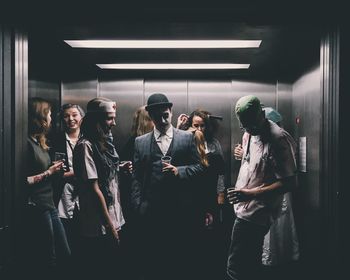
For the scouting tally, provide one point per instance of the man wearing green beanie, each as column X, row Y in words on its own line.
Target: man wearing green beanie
column 268, row 170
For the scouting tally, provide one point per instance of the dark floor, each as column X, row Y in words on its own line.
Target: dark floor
column 290, row 271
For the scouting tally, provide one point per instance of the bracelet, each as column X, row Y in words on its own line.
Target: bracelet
column 46, row 174
column 38, row 178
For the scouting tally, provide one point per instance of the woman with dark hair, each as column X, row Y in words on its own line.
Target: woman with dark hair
column 214, row 176
column 65, row 192
column 96, row 166
column 47, row 236
column 208, row 191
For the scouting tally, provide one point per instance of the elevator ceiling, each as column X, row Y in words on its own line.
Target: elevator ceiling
column 287, row 48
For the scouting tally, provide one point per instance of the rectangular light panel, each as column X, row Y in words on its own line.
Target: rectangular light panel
column 164, row 44
column 159, row 66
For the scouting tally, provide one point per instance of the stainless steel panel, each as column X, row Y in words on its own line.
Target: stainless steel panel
column 284, row 101
column 175, row 90
column 307, row 106
column 79, row 92
column 215, row 97
column 44, row 89
column 8, row 143
column 16, row 152
column 48, row 90
column 266, row 92
column 129, row 96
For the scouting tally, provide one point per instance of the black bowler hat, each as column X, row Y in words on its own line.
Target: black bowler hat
column 157, row 100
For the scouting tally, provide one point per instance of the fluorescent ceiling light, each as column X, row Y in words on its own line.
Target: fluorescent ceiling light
column 134, row 66
column 166, row 44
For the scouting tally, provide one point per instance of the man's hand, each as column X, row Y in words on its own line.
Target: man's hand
column 238, row 152
column 57, row 166
column 126, row 166
column 181, row 120
column 209, row 219
column 113, row 233
column 242, row 195
column 171, row 169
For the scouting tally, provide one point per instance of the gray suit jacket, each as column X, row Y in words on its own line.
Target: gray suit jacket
column 150, row 187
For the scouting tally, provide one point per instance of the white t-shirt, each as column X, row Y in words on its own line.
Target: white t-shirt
column 264, row 164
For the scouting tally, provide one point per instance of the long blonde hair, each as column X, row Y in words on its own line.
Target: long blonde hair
column 200, row 144
column 142, row 123
column 38, row 126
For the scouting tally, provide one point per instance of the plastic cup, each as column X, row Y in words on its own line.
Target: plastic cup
column 238, row 145
column 166, row 159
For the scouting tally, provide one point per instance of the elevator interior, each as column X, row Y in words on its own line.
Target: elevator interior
column 286, row 73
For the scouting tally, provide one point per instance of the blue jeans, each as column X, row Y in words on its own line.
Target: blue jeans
column 244, row 257
column 50, row 245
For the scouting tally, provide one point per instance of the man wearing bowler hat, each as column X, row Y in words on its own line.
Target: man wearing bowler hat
column 160, row 192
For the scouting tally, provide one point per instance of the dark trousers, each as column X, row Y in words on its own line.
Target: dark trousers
column 45, row 247
column 99, row 258
column 244, row 258
column 71, row 227
column 166, row 249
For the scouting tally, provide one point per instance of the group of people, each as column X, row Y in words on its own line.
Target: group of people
column 168, row 182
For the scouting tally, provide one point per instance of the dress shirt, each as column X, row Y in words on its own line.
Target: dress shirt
column 164, row 140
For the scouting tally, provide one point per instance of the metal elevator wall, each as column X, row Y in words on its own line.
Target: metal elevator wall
column 298, row 99
column 306, row 104
column 6, row 145
column 216, row 96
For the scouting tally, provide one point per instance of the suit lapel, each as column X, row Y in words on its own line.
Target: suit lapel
column 174, row 142
column 154, row 145
column 149, row 144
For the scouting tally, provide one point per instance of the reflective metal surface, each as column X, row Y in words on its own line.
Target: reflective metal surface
column 217, row 96
column 79, row 92
column 129, row 96
column 307, row 106
column 284, row 99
